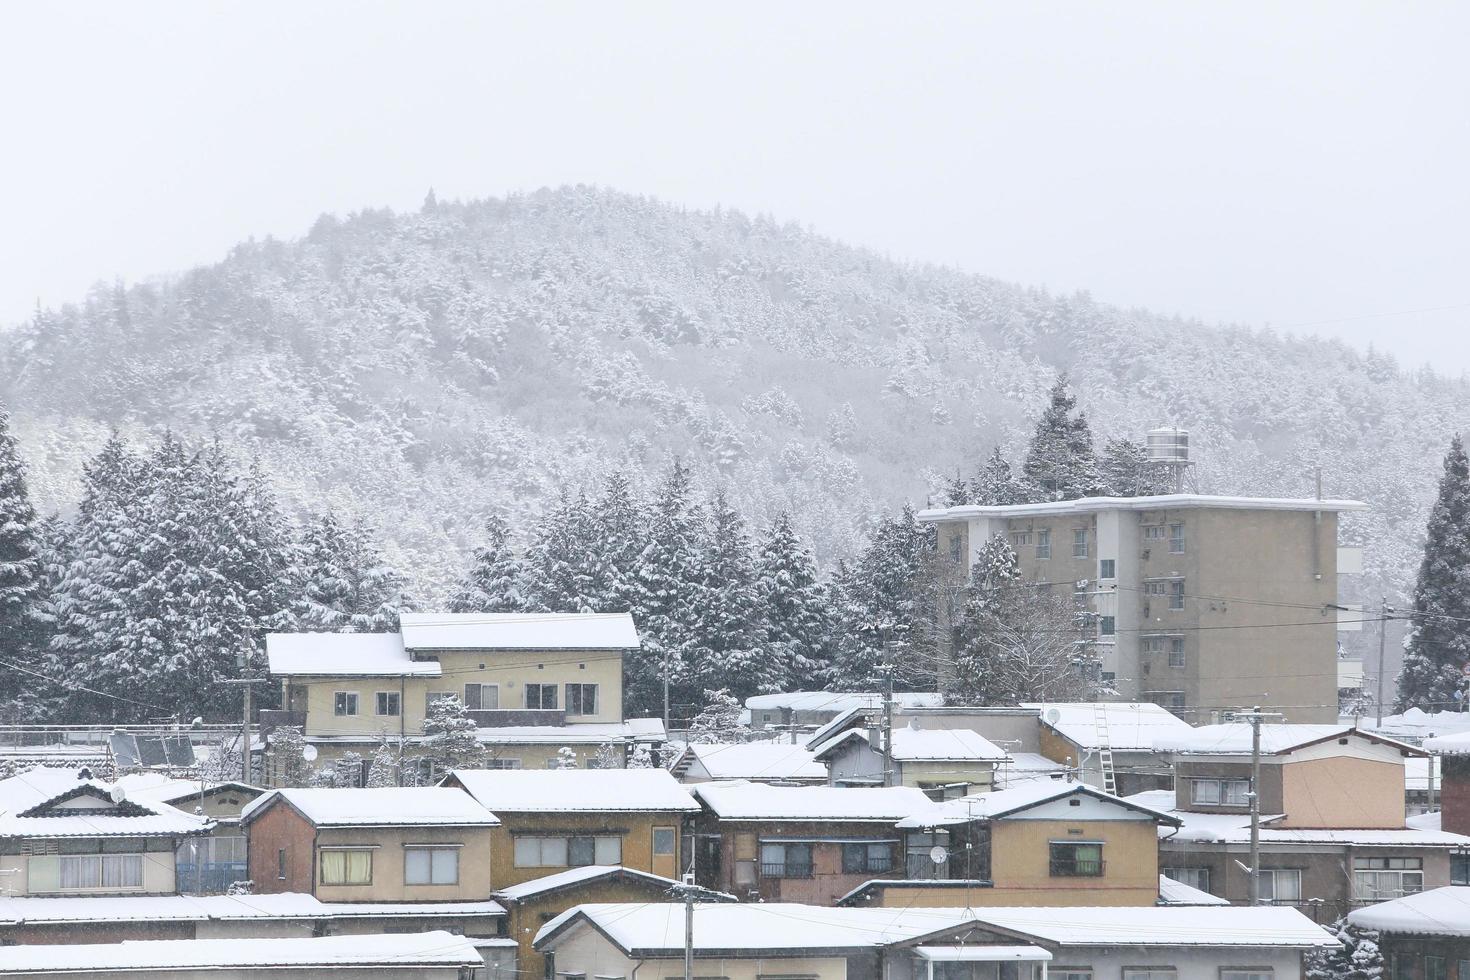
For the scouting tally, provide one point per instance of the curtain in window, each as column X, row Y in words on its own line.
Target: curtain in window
column 347, row 867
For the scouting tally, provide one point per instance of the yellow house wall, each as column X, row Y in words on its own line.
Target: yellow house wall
column 475, row 860
column 1342, row 792
column 158, row 876
column 977, row 774
column 526, row 918
column 636, row 830
column 1020, row 858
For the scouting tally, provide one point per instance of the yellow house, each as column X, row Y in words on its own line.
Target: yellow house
column 555, row 819
column 1042, row 843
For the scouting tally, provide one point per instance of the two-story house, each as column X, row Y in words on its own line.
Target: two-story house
column 1041, row 843
column 532, row 682
column 554, row 819
column 1333, row 829
column 63, row 832
column 797, row 843
column 206, row 865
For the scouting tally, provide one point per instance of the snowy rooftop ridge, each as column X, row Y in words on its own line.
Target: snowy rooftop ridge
column 1001, row 802
column 518, row 631
column 738, row 800
column 1234, row 738
column 927, row 745
column 46, row 802
column 576, row 876
column 838, row 702
column 756, row 761
column 572, row 790
column 1437, row 912
column 1132, row 726
column 386, row 807
column 343, row 655
column 1457, row 744
column 1167, row 501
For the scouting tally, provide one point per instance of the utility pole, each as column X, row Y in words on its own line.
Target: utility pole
column 666, row 692
column 1384, row 614
column 245, row 683
column 1254, row 717
column 689, row 890
column 888, row 668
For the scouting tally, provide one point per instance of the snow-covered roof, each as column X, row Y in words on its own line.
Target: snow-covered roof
column 1437, row 912
column 1234, row 828
column 343, row 655
column 410, row 910
column 758, row 761
column 196, row 908
column 169, row 955
column 595, row 733
column 1458, row 744
column 1167, row 501
column 1416, row 724
column 386, row 807
column 576, row 876
column 1002, row 802
column 169, row 789
column 1235, row 739
column 838, row 702
column 574, row 790
column 518, row 631
column 739, row 800
column 1020, row 768
column 794, row 930
column 1173, row 892
column 1132, row 726
column 926, row 745
column 59, row 803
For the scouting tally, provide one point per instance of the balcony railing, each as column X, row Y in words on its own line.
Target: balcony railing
column 1077, row 869
column 787, row 870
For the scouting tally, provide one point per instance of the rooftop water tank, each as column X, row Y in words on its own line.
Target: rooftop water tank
column 1168, row 445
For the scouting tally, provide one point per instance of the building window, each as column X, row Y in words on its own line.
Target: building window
column 1176, row 539
column 503, row 764
column 1043, row 544
column 1246, row 973
column 1107, row 568
column 541, row 696
column 1176, row 594
column 919, row 855
column 1107, row 625
column 1434, row 968
column 1076, row 859
column 482, row 697
column 786, row 860
column 663, row 841
column 1150, row 973
column 1281, row 886
column 866, row 858
column 1019, row 540
column 1379, row 879
column 581, row 699
column 344, row 703
column 347, row 867
column 86, row 872
column 1079, row 542
column 1400, row 967
column 389, row 704
column 1155, row 532
column 1220, row 792
column 1070, row 973
column 1460, row 875
column 431, row 865
column 956, row 549
column 1193, row 877
column 567, row 852
column 281, row 863
column 1176, row 651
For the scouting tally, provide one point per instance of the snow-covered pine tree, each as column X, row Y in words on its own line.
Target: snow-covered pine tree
column 641, row 757
column 566, row 758
column 1124, row 471
column 890, row 599
column 729, row 648
column 24, row 619
column 450, row 740
column 995, row 569
column 1438, row 645
column 562, row 572
column 1358, row 958
column 609, row 756
column 347, row 770
column 792, row 609
column 719, row 720
column 995, row 485
column 495, row 579
column 286, row 757
column 347, row 586
column 958, row 492
column 1059, row 459
column 622, row 533
column 383, row 770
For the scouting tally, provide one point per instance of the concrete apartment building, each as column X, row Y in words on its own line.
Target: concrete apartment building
column 1204, row 603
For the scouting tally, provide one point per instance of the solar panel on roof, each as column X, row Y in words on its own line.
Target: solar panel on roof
column 131, row 750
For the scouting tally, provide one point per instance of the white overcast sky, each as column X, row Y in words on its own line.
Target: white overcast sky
column 1261, row 163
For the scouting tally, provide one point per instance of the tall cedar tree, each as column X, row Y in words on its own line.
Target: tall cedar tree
column 622, row 534
column 562, row 567
column 731, row 650
column 792, row 608
column 996, row 485
column 1124, row 471
column 346, row 585
column 493, row 584
column 24, row 623
column 1059, row 460
column 1438, row 645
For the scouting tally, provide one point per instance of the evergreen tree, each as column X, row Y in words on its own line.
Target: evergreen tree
column 347, row 587
column 562, row 573
column 1358, row 958
column 1059, row 460
column 494, row 582
column 719, row 720
column 1438, row 644
column 958, row 492
column 609, row 756
column 346, row 771
column 730, row 648
column 24, row 621
column 621, row 535
column 286, row 757
column 793, row 611
column 383, row 771
column 996, row 485
column 566, row 758
column 1124, row 471
column 450, row 740
column 641, row 757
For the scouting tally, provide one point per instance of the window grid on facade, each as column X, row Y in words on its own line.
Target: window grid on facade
column 1176, row 539
column 482, row 697
column 347, row 867
column 1220, row 792
column 541, row 696
column 1043, row 544
column 344, row 703
column 431, row 865
column 388, row 703
column 1193, row 877
column 1107, row 625
column 866, row 858
column 567, row 852
column 1107, row 568
column 1379, row 879
column 581, row 699
column 1281, row 886
column 1079, row 542
column 1076, row 859
column 780, row 860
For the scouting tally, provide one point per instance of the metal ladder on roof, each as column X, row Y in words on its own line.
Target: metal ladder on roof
column 1104, row 748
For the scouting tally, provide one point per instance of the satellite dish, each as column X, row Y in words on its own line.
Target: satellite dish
column 938, row 854
column 1053, row 716
column 309, row 753
column 118, row 794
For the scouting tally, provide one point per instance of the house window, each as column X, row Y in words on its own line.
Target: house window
column 567, row 852
column 581, row 699
column 1172, row 700
column 1176, row 651
column 281, row 863
column 1070, row 973
column 347, row 867
column 1155, row 532
column 1400, row 967
column 1460, row 875
column 1076, row 859
column 1107, row 568
column 866, row 858
column 1379, row 879
column 956, row 549
column 1246, row 973
column 344, row 703
column 84, row 872
column 503, row 764
column 1220, row 792
column 1079, row 542
column 1281, row 886
column 541, row 696
column 431, row 865
column 1150, row 973
column 1043, row 544
column 663, row 841
column 786, row 860
column 1155, row 588
column 1107, row 625
column 555, row 762
column 1193, row 877
column 1434, row 968
column 482, row 697
column 1020, row 539
column 1176, row 539
column 389, row 704
column 1176, row 594
column 918, row 855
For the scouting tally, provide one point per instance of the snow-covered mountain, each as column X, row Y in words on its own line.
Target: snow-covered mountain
column 422, row 369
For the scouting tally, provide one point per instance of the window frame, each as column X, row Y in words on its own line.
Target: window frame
column 431, row 850
column 1107, row 626
column 344, row 883
column 386, row 699
column 342, row 700
column 1107, row 569
column 1081, row 544
column 858, row 857
column 786, row 867
column 1043, row 544
column 1222, row 797
column 541, row 690
column 673, row 836
column 1273, row 874
column 1071, row 866
column 1176, row 539
column 1201, row 876
column 580, row 689
column 479, row 697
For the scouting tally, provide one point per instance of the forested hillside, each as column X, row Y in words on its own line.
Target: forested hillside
column 425, row 370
